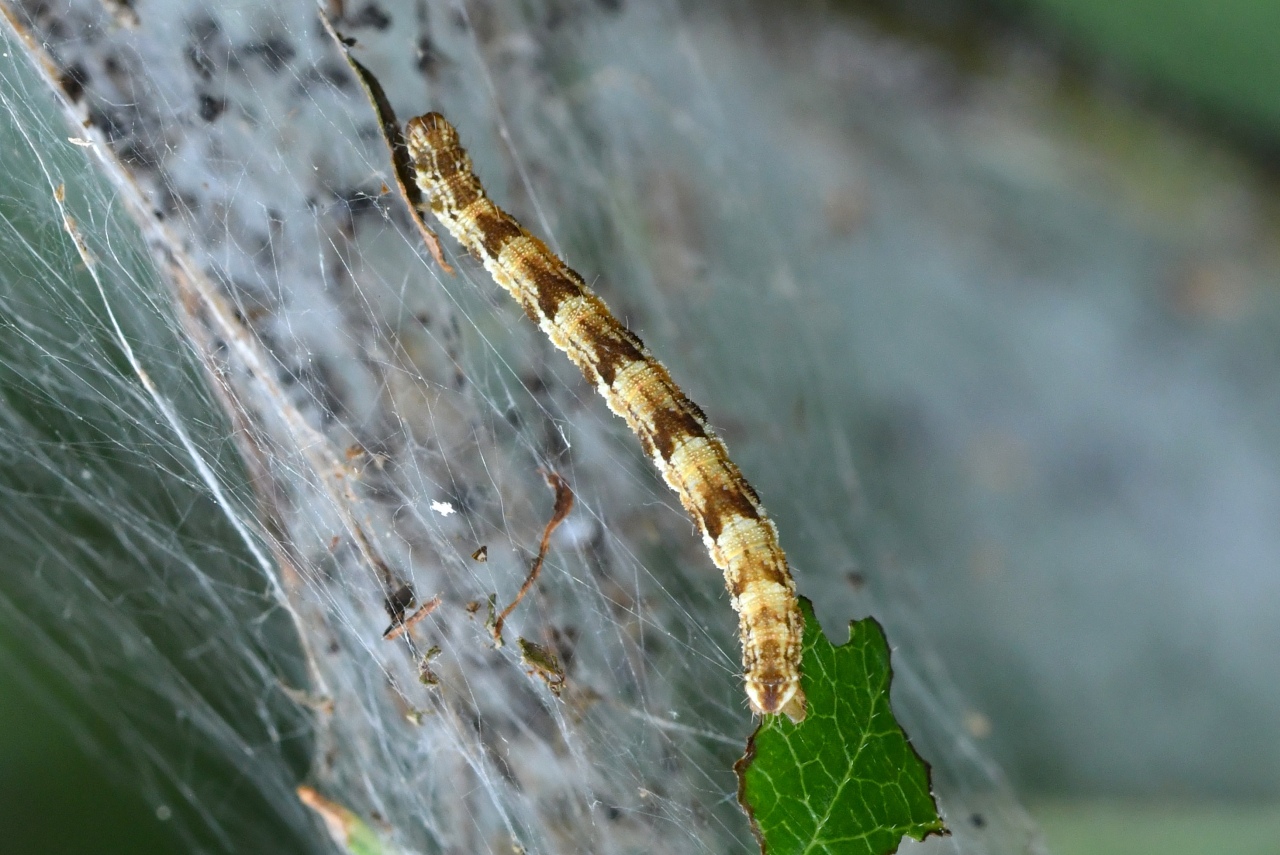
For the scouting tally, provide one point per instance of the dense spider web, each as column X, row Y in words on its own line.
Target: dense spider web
column 261, row 410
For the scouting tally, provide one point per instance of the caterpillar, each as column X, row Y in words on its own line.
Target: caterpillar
column 673, row 430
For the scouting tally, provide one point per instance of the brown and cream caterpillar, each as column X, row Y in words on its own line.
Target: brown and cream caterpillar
column 673, row 431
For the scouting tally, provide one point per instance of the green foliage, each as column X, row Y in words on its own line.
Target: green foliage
column 846, row 780
column 1222, row 54
column 352, row 834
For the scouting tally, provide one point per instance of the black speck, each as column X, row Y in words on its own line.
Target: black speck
column 357, row 201
column 112, row 65
column 610, row 5
column 397, row 602
column 108, row 123
column 564, row 643
column 978, row 820
column 334, row 74
column 275, row 51
column 73, row 81
column 211, row 107
column 199, row 53
column 370, row 15
column 428, row 56
column 56, row 30
column 138, row 155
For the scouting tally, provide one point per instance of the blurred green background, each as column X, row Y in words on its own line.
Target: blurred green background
column 1215, row 64
column 1220, row 56
column 54, row 798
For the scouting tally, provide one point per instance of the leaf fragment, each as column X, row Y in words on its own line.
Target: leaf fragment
column 846, row 780
column 348, row 830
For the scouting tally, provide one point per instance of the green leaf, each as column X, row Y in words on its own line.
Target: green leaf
column 845, row 780
column 348, row 830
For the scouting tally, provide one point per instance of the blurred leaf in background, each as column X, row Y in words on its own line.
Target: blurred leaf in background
column 1221, row 56
column 54, row 796
column 1074, row 828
